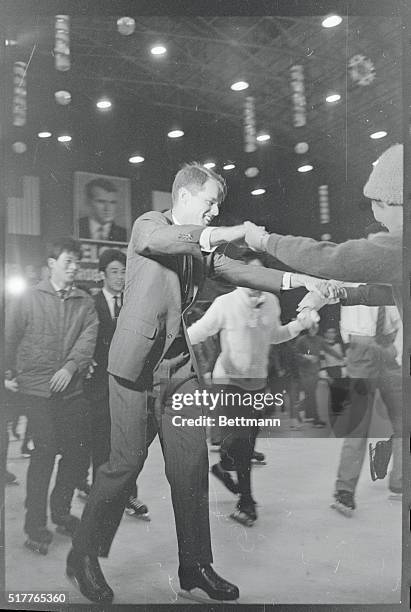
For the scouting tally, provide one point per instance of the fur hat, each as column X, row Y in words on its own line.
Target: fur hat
column 386, row 179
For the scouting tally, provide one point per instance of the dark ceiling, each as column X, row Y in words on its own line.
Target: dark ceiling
column 190, row 87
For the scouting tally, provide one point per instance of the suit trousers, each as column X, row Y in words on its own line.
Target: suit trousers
column 57, row 427
column 137, row 416
column 362, row 394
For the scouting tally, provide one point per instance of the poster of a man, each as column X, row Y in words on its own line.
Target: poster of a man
column 101, row 207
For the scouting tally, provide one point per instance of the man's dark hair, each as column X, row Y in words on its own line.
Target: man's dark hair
column 374, row 228
column 103, row 183
column 66, row 244
column 193, row 176
column 108, row 256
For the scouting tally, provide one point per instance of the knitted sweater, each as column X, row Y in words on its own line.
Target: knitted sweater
column 364, row 261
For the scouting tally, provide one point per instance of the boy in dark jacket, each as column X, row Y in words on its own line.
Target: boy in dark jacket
column 50, row 341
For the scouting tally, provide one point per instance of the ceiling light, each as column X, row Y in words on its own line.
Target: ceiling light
column 239, row 85
column 158, row 50
column 209, row 165
column 333, row 98
column 263, row 137
column 64, row 138
column 104, row 104
column 44, row 134
column 331, row 21
column 136, row 159
column 256, row 192
column 377, row 135
column 305, row 168
column 229, row 167
column 175, row 134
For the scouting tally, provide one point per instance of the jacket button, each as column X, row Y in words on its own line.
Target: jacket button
column 169, row 335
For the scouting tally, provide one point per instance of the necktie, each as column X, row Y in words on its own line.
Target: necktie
column 100, row 233
column 62, row 293
column 187, row 283
column 117, row 306
column 379, row 328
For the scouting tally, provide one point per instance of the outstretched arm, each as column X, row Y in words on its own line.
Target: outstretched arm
column 362, row 260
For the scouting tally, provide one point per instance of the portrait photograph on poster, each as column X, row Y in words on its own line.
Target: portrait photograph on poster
column 101, row 207
column 206, row 306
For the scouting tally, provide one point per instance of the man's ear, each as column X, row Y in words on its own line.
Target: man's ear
column 101, row 276
column 51, row 262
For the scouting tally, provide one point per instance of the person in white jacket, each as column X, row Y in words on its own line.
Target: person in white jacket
column 248, row 322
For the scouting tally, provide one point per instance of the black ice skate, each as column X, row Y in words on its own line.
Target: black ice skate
column 245, row 512
column 258, row 458
column 204, row 578
column 225, row 477
column 137, row 509
column 380, row 456
column 344, row 503
column 39, row 540
column 66, row 524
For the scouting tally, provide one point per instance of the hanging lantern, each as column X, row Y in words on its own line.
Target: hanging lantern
column 250, row 143
column 301, row 148
column 298, row 96
column 126, row 25
column 361, row 69
column 62, row 97
column 251, row 172
column 19, row 94
column 325, row 237
column 324, row 204
column 62, row 43
column 19, row 147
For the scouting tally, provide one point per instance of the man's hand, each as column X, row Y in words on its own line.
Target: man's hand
column 329, row 289
column 11, row 385
column 307, row 317
column 256, row 236
column 60, row 380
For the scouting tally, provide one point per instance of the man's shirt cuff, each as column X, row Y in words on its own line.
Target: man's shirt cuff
column 204, row 241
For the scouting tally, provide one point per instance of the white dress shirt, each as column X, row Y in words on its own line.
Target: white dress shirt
column 110, row 300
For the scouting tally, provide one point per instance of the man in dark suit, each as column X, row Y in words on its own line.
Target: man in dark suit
column 102, row 201
column 108, row 302
column 150, row 359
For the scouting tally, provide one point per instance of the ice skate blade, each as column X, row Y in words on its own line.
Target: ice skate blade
column 246, row 522
column 256, row 462
column 199, row 596
column 40, row 548
column 348, row 512
column 142, row 517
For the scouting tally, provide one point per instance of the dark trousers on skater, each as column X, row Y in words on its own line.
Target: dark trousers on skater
column 57, row 426
column 100, row 434
column 238, row 443
column 137, row 416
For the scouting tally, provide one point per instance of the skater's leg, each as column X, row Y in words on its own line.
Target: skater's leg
column 186, row 462
column 390, row 386
column 132, row 430
column 70, row 423
column 362, row 392
column 41, row 464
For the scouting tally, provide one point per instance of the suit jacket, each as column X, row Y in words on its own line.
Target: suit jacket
column 97, row 385
column 117, row 233
column 152, row 313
